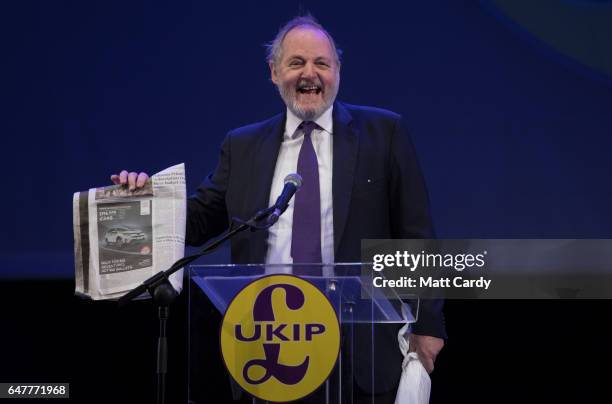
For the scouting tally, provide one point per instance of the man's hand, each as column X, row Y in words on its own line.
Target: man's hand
column 134, row 180
column 427, row 348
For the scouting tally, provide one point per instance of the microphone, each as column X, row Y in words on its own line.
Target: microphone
column 293, row 182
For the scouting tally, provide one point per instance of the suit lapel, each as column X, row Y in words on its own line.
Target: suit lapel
column 346, row 146
column 264, row 163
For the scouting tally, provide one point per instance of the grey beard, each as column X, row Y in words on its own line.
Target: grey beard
column 303, row 114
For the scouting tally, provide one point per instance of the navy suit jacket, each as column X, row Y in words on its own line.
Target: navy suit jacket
column 377, row 185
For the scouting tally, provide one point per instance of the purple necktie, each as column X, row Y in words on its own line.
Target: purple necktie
column 306, row 231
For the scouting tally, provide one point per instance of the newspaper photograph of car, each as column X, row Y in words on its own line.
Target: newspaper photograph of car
column 122, row 236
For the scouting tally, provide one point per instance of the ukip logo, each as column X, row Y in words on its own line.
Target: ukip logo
column 280, row 338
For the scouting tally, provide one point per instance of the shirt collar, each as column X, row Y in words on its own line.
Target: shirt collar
column 325, row 121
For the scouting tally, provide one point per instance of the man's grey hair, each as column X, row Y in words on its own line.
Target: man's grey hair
column 274, row 48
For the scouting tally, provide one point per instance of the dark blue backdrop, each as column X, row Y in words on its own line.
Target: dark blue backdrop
column 513, row 134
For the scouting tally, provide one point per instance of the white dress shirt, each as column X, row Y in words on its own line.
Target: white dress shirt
column 279, row 235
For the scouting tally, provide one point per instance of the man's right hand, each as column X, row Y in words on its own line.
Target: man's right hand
column 132, row 179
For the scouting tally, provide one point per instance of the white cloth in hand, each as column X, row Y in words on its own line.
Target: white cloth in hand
column 415, row 384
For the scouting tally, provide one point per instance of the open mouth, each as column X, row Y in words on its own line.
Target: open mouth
column 309, row 90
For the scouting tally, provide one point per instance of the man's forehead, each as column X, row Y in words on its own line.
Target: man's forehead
column 305, row 38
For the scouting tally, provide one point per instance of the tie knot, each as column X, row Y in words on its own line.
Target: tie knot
column 308, row 127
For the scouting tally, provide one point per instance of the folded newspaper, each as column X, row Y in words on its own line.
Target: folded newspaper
column 123, row 237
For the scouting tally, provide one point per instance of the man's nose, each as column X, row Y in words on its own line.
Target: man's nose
column 309, row 71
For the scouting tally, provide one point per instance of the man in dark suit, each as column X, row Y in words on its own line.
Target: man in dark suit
column 363, row 180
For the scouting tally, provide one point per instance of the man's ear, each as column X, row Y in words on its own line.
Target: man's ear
column 273, row 75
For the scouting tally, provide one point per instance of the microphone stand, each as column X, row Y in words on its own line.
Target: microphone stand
column 163, row 294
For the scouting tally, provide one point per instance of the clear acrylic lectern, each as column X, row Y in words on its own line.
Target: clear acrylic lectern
column 368, row 321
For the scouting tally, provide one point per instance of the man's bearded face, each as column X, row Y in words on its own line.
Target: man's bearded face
column 307, row 74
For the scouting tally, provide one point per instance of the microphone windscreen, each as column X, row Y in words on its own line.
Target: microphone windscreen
column 294, row 179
